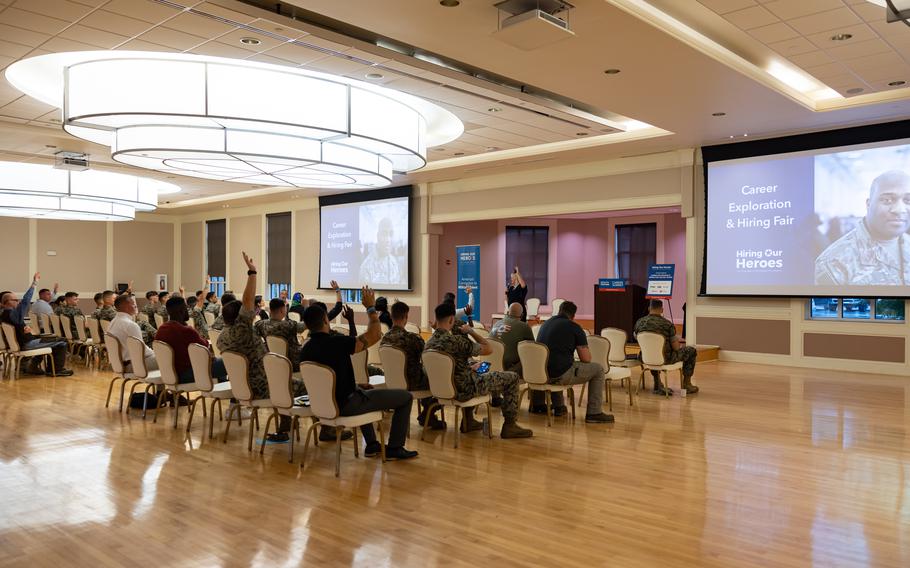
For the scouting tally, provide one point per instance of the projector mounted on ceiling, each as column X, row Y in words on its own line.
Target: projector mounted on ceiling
column 72, row 161
column 533, row 23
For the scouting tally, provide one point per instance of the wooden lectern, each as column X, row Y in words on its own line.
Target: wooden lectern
column 619, row 309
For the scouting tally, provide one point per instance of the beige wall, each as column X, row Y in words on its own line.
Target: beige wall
column 81, row 260
column 192, row 254
column 142, row 250
column 306, row 256
column 14, row 249
column 245, row 234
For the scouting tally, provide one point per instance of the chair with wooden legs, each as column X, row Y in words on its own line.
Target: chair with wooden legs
column 214, row 334
column 142, row 376
column 394, row 361
column 534, row 357
column 73, row 343
column 617, row 338
column 440, row 369
column 320, row 386
column 238, row 372
column 15, row 353
column 88, row 344
column 652, row 358
column 159, row 320
column 4, row 354
column 294, row 316
column 494, row 358
column 532, row 305
column 413, row 328
column 361, row 373
column 94, row 332
column 277, row 345
column 279, row 371
column 164, row 354
column 201, row 359
column 105, row 325
column 56, row 328
column 209, row 318
column 600, row 353
column 120, row 373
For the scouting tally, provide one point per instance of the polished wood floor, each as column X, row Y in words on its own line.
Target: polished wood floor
column 768, row 466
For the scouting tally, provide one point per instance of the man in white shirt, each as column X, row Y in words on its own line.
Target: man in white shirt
column 43, row 304
column 124, row 325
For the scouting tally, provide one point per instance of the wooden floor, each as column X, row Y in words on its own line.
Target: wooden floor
column 768, row 466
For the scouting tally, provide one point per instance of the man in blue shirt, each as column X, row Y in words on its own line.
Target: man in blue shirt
column 14, row 312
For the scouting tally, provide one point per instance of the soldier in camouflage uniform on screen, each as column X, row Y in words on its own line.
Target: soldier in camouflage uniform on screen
column 69, row 309
column 468, row 383
column 106, row 311
column 655, row 322
column 287, row 329
column 877, row 252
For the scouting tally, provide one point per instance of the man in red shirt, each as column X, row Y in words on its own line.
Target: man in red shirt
column 179, row 336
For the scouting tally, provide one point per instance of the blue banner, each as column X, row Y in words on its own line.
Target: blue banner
column 611, row 285
column 660, row 280
column 468, row 259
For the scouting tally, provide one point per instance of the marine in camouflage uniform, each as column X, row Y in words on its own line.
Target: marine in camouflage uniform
column 148, row 332
column 655, row 323
column 214, row 308
column 858, row 259
column 105, row 313
column 70, row 312
column 202, row 327
column 412, row 345
column 240, row 337
column 150, row 310
column 469, row 384
column 287, row 330
column 161, row 310
column 218, row 323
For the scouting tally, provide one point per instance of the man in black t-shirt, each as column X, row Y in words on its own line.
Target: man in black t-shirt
column 564, row 337
column 335, row 350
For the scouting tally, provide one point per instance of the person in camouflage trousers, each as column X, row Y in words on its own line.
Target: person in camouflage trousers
column 69, row 309
column 468, row 384
column 287, row 329
column 655, row 322
column 106, row 311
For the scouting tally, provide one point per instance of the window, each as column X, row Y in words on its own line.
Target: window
column 216, row 285
column 636, row 250
column 852, row 309
column 278, row 253
column 528, row 248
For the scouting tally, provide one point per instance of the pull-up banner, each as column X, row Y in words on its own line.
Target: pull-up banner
column 468, row 259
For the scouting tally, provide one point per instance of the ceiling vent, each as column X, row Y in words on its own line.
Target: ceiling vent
column 532, row 24
column 73, row 161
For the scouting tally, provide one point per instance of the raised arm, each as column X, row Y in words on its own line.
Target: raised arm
column 336, row 309
column 22, row 309
column 249, row 291
column 520, row 278
column 373, row 332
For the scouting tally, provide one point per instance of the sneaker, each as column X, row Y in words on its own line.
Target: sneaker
column 560, row 410
column 278, row 438
column 61, row 373
column 602, row 418
column 472, row 426
column 398, row 454
column 538, row 409
column 513, row 430
column 328, row 435
column 372, row 450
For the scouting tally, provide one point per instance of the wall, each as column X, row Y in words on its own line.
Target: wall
column 245, row 234
column 485, row 234
column 14, row 245
column 81, row 252
column 142, row 250
column 192, row 254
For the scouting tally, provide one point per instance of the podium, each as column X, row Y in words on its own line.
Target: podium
column 620, row 309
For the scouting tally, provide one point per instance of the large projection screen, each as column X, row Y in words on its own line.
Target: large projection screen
column 364, row 239
column 823, row 222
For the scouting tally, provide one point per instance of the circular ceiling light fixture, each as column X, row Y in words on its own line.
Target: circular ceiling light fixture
column 374, row 76
column 42, row 191
column 207, row 117
column 250, row 41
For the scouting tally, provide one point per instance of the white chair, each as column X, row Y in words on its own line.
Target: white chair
column 482, row 332
column 164, row 354
column 440, row 369
column 74, row 343
column 4, row 353
column 554, row 305
column 159, row 319
column 238, row 371
column 55, row 326
column 535, row 329
column 209, row 318
column 293, row 316
column 617, row 338
column 320, row 386
column 362, row 376
column 16, row 353
column 652, row 358
column 532, row 307
column 495, row 358
column 600, row 353
column 88, row 343
column 394, row 364
column 201, row 360
column 136, row 348
column 214, row 334
column 105, row 325
column 277, row 345
column 280, row 371
column 479, row 325
column 412, row 328
column 94, row 332
column 44, row 322
column 534, row 357
column 120, row 373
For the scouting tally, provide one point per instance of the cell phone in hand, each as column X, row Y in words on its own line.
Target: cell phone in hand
column 483, row 368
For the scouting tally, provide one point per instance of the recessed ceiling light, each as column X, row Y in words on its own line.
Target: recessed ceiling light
column 718, row 114
column 49, row 146
column 841, row 37
column 492, row 148
column 746, row 134
column 449, row 3
column 250, row 41
column 458, row 154
column 854, row 90
column 897, row 83
column 374, row 75
column 612, row 71
column 581, row 134
column 494, row 109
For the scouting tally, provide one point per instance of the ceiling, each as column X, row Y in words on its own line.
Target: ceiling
column 667, row 79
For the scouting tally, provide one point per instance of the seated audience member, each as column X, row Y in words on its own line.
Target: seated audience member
column 238, row 336
column 347, row 313
column 14, row 313
column 297, row 305
column 179, row 336
column 283, row 295
column 512, row 331
column 382, row 308
column 335, row 351
column 279, row 325
column 199, row 322
column 200, row 298
column 226, row 299
column 211, row 304
column 260, row 308
column 456, row 341
column 124, row 325
column 58, row 303
column 412, row 345
column 161, row 308
column 673, row 352
column 70, row 309
column 106, row 311
column 565, row 338
column 151, row 306
column 98, row 303
column 43, row 304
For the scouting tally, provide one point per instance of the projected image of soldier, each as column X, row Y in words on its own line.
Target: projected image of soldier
column 877, row 251
column 380, row 267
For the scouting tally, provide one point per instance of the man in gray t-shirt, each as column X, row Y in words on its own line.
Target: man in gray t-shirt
column 511, row 331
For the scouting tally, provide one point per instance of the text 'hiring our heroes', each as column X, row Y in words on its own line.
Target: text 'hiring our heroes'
column 768, row 259
column 743, row 209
